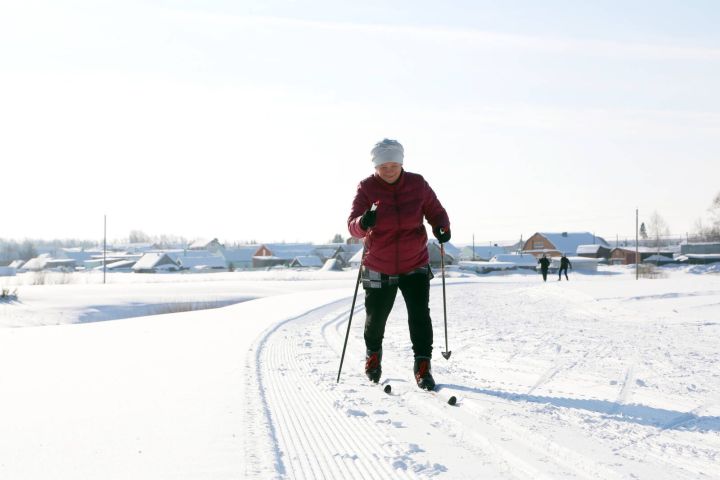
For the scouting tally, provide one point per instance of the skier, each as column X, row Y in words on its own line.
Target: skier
column 396, row 255
column 564, row 264
column 544, row 264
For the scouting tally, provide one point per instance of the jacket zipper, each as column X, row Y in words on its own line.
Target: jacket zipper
column 397, row 234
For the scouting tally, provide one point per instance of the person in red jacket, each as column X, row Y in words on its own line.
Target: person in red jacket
column 396, row 255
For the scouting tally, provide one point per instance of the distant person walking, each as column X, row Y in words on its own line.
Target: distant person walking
column 564, row 264
column 396, row 254
column 544, row 265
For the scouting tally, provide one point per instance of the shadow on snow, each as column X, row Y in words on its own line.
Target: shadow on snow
column 633, row 413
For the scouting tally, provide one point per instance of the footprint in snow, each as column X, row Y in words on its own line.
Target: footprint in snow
column 355, row 413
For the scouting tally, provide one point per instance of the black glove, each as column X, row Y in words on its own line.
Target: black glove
column 442, row 234
column 368, row 219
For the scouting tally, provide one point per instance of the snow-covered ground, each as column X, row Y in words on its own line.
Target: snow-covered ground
column 600, row 377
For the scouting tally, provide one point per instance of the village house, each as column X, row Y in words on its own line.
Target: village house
column 593, row 251
column 46, row 262
column 626, row 255
column 199, row 260
column 240, row 256
column 308, row 261
column 155, row 262
column 452, row 253
column 346, row 252
column 212, row 245
column 558, row 244
column 273, row 254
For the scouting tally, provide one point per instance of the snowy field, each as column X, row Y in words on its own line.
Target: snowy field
column 600, row 377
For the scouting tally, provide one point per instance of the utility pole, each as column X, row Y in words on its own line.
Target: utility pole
column 104, row 246
column 637, row 249
column 473, row 247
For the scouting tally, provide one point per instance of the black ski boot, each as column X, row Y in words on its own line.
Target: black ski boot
column 423, row 375
column 373, row 369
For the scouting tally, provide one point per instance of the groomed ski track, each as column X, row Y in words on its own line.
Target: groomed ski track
column 353, row 430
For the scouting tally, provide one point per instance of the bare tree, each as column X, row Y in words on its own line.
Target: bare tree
column 138, row 236
column 658, row 229
column 710, row 232
column 713, row 231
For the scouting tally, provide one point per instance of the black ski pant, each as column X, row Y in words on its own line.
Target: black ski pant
column 415, row 289
column 544, row 274
column 561, row 272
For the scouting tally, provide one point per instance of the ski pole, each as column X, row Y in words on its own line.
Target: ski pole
column 447, row 352
column 352, row 308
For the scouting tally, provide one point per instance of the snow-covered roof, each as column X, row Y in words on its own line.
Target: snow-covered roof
column 17, row 264
column 589, row 248
column 639, row 249
column 241, row 253
column 37, row 263
column 200, row 259
column 203, row 244
column 351, row 247
column 307, row 261
column 288, row 251
column 568, row 242
column 150, row 261
column 118, row 265
column 658, row 258
column 524, row 259
column 357, row 258
column 331, row 264
column 326, row 252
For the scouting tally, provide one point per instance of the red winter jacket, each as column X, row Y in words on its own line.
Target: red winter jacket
column 398, row 242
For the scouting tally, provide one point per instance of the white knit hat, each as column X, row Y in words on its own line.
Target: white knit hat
column 387, row 151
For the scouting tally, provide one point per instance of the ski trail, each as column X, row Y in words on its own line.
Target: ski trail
column 322, row 440
column 626, row 389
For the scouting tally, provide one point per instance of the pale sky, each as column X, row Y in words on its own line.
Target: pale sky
column 254, row 120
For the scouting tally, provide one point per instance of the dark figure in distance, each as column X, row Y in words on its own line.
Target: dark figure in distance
column 564, row 264
column 544, row 265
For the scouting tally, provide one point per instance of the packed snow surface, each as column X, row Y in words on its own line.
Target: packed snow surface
column 603, row 376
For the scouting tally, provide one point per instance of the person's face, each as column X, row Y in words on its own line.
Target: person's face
column 389, row 172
